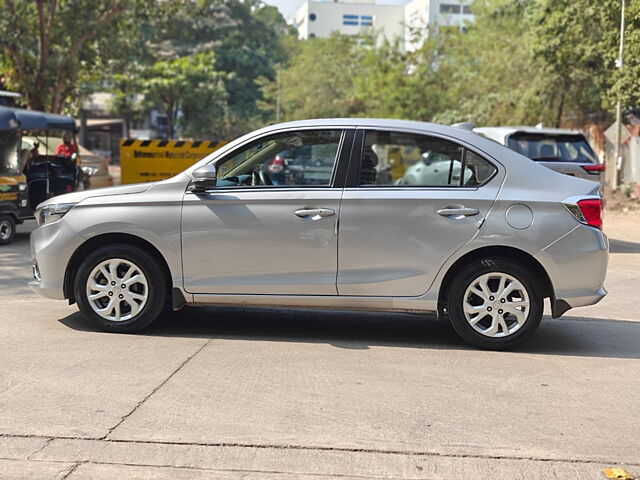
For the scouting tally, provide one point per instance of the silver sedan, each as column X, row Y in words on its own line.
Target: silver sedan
column 341, row 213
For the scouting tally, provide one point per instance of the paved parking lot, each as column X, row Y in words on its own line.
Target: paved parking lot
column 239, row 393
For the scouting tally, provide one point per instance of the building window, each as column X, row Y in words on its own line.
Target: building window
column 312, row 35
column 466, row 9
column 366, row 20
column 349, row 19
column 449, row 8
column 312, row 17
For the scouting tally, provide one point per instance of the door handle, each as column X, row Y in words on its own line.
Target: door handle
column 458, row 212
column 315, row 213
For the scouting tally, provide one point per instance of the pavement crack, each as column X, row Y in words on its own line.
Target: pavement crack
column 45, row 445
column 71, row 470
column 141, row 402
column 320, row 448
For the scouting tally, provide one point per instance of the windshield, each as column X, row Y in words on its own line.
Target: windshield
column 553, row 148
column 9, row 164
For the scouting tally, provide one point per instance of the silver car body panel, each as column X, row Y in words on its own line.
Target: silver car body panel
column 250, row 241
column 385, row 248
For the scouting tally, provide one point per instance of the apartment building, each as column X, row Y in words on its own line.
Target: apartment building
column 317, row 18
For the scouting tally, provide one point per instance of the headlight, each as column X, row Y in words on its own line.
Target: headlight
column 52, row 213
column 22, row 187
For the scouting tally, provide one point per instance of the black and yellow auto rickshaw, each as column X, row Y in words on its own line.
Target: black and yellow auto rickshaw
column 30, row 172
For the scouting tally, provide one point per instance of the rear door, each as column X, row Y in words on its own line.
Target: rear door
column 411, row 201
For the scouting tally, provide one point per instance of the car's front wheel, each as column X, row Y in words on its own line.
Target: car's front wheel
column 495, row 303
column 120, row 288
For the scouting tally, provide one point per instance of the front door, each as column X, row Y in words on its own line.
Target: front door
column 270, row 224
column 417, row 199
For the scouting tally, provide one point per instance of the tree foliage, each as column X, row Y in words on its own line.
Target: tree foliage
column 222, row 66
column 50, row 48
column 190, row 91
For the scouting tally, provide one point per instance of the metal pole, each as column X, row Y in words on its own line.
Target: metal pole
column 277, row 95
column 618, row 147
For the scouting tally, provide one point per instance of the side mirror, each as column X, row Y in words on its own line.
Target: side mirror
column 204, row 178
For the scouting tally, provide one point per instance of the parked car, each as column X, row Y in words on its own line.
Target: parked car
column 483, row 247
column 565, row 151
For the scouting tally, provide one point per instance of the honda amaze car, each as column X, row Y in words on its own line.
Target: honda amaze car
column 481, row 236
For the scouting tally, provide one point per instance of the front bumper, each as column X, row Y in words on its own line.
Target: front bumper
column 53, row 293
column 51, row 248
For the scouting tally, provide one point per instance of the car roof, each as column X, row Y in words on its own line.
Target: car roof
column 505, row 130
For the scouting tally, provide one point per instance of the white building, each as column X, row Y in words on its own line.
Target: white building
column 320, row 18
column 434, row 15
column 317, row 18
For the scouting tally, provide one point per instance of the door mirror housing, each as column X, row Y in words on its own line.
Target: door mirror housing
column 204, row 178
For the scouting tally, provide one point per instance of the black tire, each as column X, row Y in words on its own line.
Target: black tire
column 7, row 229
column 157, row 287
column 471, row 272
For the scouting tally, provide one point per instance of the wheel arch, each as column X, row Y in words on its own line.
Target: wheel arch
column 502, row 251
column 110, row 239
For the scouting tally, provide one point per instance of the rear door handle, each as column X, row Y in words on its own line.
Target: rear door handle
column 458, row 212
column 314, row 213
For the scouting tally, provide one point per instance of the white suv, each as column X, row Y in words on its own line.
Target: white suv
column 565, row 151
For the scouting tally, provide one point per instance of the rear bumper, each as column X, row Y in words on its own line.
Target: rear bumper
column 577, row 266
column 560, row 306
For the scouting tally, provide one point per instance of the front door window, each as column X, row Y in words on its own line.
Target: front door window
column 299, row 158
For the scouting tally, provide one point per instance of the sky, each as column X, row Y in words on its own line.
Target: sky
column 288, row 7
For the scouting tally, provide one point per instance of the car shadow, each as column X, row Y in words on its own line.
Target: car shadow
column 571, row 336
column 623, row 246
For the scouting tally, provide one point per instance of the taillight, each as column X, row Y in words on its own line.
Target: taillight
column 586, row 210
column 591, row 211
column 594, row 169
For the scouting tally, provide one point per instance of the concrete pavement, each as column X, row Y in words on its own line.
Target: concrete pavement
column 240, row 393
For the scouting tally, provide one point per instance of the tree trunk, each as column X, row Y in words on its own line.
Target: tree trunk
column 560, row 109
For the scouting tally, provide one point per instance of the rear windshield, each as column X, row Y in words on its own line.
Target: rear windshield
column 553, row 148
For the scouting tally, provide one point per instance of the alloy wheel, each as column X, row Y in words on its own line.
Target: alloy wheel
column 117, row 289
column 496, row 304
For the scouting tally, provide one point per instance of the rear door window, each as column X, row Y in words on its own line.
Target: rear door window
column 407, row 159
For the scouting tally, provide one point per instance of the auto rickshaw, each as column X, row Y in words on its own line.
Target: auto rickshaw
column 29, row 176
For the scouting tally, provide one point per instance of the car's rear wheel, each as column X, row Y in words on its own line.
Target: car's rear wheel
column 120, row 288
column 7, row 229
column 495, row 303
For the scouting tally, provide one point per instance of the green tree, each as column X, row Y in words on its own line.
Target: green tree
column 247, row 38
column 49, row 48
column 127, row 101
column 578, row 40
column 489, row 73
column 318, row 80
column 191, row 92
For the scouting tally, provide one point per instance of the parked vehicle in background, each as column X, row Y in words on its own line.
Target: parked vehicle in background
column 95, row 164
column 30, row 173
column 482, row 237
column 565, row 151
column 14, row 202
